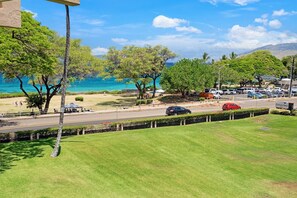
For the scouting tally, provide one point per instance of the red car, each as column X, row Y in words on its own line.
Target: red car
column 230, row 106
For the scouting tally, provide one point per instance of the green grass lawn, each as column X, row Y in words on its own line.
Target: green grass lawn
column 245, row 158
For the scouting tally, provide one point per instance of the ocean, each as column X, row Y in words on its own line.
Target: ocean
column 82, row 86
column 86, row 85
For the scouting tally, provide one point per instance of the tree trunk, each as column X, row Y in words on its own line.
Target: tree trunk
column 56, row 150
column 154, row 91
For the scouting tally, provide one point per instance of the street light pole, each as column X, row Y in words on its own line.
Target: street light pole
column 291, row 77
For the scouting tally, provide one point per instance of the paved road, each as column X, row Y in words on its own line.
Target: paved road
column 89, row 118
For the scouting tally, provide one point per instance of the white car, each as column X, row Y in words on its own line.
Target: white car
column 217, row 96
column 214, row 91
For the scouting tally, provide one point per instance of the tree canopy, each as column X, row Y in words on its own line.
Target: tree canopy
column 137, row 65
column 187, row 75
column 36, row 52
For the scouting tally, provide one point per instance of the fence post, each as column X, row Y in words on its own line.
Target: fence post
column 83, row 132
column 155, row 124
column 185, row 121
column 233, row 116
column 77, row 132
column 151, row 124
column 230, row 116
column 37, row 136
column 122, row 127
column 209, row 119
column 181, row 122
column 206, row 119
column 12, row 136
column 31, row 136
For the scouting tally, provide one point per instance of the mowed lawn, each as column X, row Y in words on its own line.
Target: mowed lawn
column 245, row 158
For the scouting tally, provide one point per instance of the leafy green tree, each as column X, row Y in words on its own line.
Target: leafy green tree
column 288, row 61
column 36, row 52
column 224, row 74
column 27, row 52
column 131, row 65
column 264, row 63
column 160, row 56
column 187, row 75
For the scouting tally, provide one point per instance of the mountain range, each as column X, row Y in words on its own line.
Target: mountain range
column 279, row 50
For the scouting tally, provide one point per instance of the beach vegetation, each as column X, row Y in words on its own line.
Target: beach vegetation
column 187, row 75
column 79, row 98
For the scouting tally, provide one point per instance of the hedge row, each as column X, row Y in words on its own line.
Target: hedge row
column 135, row 124
column 189, row 118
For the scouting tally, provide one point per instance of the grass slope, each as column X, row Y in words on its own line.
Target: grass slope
column 244, row 158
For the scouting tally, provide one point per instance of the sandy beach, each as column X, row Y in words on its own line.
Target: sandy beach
column 94, row 102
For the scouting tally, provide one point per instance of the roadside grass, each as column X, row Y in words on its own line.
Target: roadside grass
column 253, row 157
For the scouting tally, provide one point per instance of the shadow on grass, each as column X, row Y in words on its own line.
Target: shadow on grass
column 16, row 151
column 177, row 99
column 119, row 102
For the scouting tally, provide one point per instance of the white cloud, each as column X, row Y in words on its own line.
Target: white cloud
column 262, row 20
column 276, row 24
column 119, row 40
column 93, row 21
column 188, row 29
column 238, row 2
column 33, row 13
column 252, row 37
column 166, row 22
column 281, row 12
column 99, row 51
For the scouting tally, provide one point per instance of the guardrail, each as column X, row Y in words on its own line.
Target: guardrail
column 135, row 124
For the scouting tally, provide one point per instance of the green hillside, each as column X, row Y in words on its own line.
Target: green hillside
column 245, row 158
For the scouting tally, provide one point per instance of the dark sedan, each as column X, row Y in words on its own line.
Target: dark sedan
column 177, row 110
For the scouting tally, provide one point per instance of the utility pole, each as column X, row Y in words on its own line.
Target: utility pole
column 291, row 77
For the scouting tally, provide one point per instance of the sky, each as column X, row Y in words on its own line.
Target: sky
column 187, row 27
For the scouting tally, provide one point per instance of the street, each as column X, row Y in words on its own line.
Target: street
column 92, row 118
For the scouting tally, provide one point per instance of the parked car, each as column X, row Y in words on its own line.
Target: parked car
column 240, row 90
column 232, row 91
column 226, row 92
column 248, row 89
column 230, row 106
column 252, row 94
column 217, row 96
column 214, row 91
column 177, row 110
column 206, row 95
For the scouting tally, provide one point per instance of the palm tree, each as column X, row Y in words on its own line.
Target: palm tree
column 56, row 150
column 224, row 57
column 205, row 57
column 233, row 55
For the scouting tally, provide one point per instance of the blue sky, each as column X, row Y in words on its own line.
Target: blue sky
column 187, row 27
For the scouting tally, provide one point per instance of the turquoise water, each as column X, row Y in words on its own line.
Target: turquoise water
column 87, row 85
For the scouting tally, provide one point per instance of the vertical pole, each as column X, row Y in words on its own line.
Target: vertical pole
column 291, row 77
column 56, row 150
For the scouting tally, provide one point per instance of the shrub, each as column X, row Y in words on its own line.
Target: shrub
column 149, row 101
column 201, row 99
column 139, row 102
column 283, row 112
column 79, row 98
